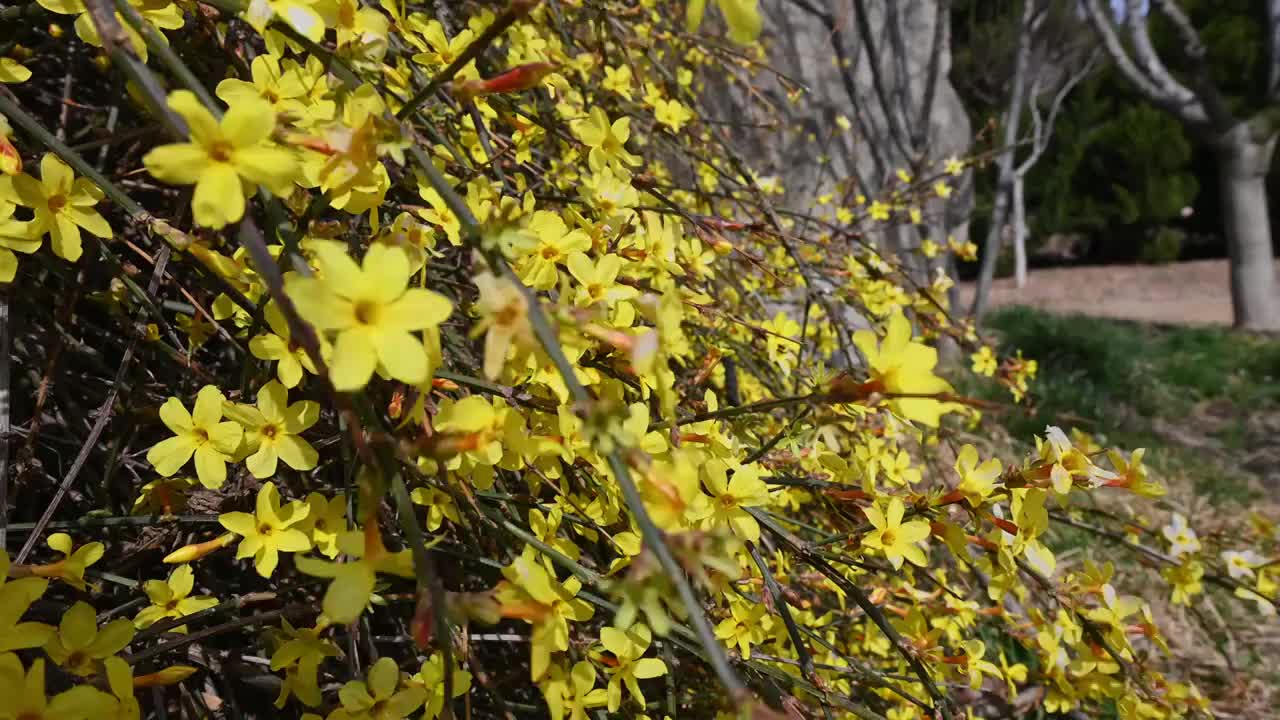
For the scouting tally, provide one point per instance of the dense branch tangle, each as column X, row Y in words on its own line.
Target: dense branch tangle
column 515, row 362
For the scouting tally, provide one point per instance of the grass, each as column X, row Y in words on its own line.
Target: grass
column 1132, row 382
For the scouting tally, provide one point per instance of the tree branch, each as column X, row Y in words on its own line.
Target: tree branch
column 1187, row 108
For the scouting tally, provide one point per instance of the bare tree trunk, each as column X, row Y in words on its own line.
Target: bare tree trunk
column 1242, row 171
column 1006, row 162
column 1019, row 202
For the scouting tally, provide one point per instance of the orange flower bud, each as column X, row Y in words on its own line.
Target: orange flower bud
column 10, row 160
column 521, row 77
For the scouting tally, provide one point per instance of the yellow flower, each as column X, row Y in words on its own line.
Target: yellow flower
column 300, row 653
column 160, row 13
column 378, row 699
column 438, row 48
column 15, row 597
column 352, row 586
column 894, row 538
column 431, row 679
column 272, row 428
column 672, row 113
column 325, row 521
column 439, row 506
column 301, row 15
column 278, row 345
column 504, row 319
column 598, row 281
column 286, row 89
column 879, row 211
column 730, row 497
column 63, row 204
column 1185, row 580
column 548, row 242
column 80, row 646
column 373, row 312
column 976, row 480
column 201, row 433
column 899, row 366
column 533, row 594
column 573, row 695
column 984, row 361
column 618, row 80
column 120, row 680
column 746, row 626
column 628, row 647
column 224, row 160
column 607, row 141
column 70, row 569
column 172, row 599
column 12, row 71
column 15, row 236
column 1133, row 474
column 22, row 695
column 269, row 531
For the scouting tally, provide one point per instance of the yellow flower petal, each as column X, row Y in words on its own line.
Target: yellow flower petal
column 219, row 197
column 204, row 128
column 354, row 359
column 403, row 356
column 177, row 163
column 168, row 456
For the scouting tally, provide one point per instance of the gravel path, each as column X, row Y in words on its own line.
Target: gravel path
column 1188, row 293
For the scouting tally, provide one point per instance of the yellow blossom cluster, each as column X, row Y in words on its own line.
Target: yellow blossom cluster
column 492, row 334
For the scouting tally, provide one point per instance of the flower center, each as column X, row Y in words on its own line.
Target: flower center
column 220, row 151
column 269, row 432
column 57, row 202
column 264, row 529
column 888, row 538
column 367, row 313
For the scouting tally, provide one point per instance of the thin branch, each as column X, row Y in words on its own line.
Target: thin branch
column 100, row 423
column 515, row 11
column 1186, row 107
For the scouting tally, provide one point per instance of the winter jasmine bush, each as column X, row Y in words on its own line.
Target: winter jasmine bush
column 480, row 371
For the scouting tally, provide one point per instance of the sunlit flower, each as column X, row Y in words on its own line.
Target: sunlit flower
column 225, row 159
column 63, row 205
column 269, row 531
column 201, row 433
column 372, row 311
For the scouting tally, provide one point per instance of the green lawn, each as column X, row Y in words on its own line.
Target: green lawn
column 1176, row 390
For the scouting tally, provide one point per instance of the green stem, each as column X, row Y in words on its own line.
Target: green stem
column 162, row 49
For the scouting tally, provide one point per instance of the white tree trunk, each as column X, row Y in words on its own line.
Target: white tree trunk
column 1019, row 212
column 1242, row 169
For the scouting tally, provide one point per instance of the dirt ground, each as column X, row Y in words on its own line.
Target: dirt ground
column 1187, row 293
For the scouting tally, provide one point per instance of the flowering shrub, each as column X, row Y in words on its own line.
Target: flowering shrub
column 485, row 379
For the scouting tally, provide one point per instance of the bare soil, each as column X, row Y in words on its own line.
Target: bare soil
column 1186, row 293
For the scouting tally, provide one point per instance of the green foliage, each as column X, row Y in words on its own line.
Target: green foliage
column 1112, row 163
column 1163, row 246
column 1105, row 371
